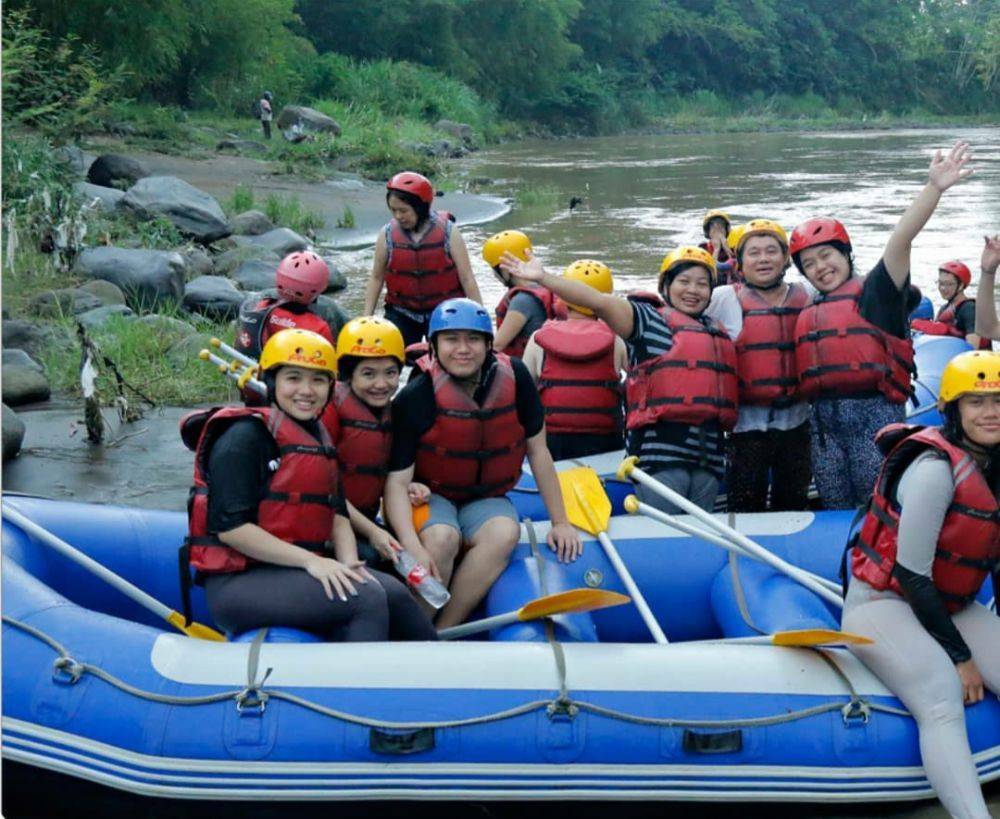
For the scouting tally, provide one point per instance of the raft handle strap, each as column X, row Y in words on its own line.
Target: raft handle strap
column 253, row 696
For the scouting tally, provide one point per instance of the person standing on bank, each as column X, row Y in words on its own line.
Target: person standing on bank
column 929, row 541
column 524, row 308
column 269, row 537
column 987, row 323
column 463, row 428
column 771, row 437
column 577, row 364
column 853, row 351
column 420, row 258
column 266, row 113
column 958, row 315
column 681, row 389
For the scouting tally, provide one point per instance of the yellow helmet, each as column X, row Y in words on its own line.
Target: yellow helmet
column 975, row 371
column 715, row 214
column 762, row 227
column 371, row 337
column 593, row 274
column 298, row 348
column 733, row 239
column 686, row 254
column 512, row 241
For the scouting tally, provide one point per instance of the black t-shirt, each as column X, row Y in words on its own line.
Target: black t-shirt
column 883, row 304
column 239, row 471
column 414, row 411
column 965, row 317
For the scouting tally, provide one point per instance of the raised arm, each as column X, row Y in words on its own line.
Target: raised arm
column 944, row 172
column 987, row 324
column 615, row 311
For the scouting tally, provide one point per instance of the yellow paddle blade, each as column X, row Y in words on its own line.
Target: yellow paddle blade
column 196, row 630
column 571, row 602
column 818, row 637
column 587, row 504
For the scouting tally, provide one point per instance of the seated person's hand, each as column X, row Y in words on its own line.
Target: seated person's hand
column 419, row 493
column 564, row 540
column 386, row 545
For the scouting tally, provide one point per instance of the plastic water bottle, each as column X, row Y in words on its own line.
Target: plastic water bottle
column 427, row 586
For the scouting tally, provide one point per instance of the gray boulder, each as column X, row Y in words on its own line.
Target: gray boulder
column 301, row 119
column 167, row 325
column 72, row 156
column 68, row 301
column 459, row 130
column 226, row 263
column 98, row 317
column 19, row 358
column 280, row 240
column 30, row 336
column 148, row 278
column 193, row 212
column 334, row 314
column 106, row 198
column 254, row 274
column 240, row 146
column 186, row 349
column 13, row 433
column 23, row 385
column 213, row 296
column 251, row 223
column 338, row 279
column 109, row 169
column 198, row 261
column 107, row 292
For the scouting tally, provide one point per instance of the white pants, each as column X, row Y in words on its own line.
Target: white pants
column 916, row 669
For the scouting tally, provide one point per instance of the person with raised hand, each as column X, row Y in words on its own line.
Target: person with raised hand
column 957, row 317
column 987, row 323
column 853, row 351
column 681, row 388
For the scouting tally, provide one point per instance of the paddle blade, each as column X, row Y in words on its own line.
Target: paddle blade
column 571, row 602
column 587, row 504
column 196, row 630
column 818, row 637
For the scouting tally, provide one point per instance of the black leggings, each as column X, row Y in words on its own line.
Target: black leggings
column 782, row 455
column 413, row 331
column 283, row 596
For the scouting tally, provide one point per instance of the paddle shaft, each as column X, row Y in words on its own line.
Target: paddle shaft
column 252, row 383
column 632, row 588
column 486, row 624
column 752, row 548
column 717, row 539
column 88, row 563
column 231, row 351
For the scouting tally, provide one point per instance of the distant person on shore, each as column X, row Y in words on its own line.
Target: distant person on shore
column 958, row 315
column 419, row 257
column 987, row 323
column 266, row 113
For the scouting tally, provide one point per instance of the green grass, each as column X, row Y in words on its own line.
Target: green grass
column 346, row 219
column 288, row 211
column 541, row 196
column 241, row 200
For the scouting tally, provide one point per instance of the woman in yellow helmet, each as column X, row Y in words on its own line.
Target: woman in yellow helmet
column 930, row 540
column 716, row 226
column 681, row 385
column 577, row 365
column 269, row 535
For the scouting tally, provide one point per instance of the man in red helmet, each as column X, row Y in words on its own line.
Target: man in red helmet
column 419, row 257
column 958, row 315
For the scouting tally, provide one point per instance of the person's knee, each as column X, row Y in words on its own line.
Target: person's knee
column 498, row 535
column 441, row 540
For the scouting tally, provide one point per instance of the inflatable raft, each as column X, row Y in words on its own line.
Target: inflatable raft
column 585, row 707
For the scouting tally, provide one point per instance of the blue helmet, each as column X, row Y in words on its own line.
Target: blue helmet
column 460, row 314
column 924, row 310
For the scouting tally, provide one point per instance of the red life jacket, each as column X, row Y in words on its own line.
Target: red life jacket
column 968, row 547
column 362, row 449
column 578, row 382
column 551, row 303
column 301, row 497
column 725, row 265
column 946, row 324
column 420, row 275
column 839, row 352
column 473, row 450
column 693, row 382
column 260, row 320
column 765, row 347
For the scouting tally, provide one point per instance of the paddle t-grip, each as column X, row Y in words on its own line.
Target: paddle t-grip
column 626, row 467
column 631, row 504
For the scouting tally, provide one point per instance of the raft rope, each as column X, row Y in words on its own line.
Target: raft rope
column 70, row 671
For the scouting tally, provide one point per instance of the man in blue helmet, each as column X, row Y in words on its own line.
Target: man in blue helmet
column 464, row 428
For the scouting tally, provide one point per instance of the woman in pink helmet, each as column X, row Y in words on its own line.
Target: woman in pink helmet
column 419, row 257
column 852, row 348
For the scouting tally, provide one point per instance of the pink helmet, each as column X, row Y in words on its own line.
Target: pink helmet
column 301, row 277
column 817, row 232
column 959, row 270
column 410, row 182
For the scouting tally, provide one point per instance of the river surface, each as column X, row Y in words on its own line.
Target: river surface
column 642, row 196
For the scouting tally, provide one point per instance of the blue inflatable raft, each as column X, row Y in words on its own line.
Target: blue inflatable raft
column 95, row 688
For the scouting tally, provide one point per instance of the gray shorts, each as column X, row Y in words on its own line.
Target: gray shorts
column 468, row 517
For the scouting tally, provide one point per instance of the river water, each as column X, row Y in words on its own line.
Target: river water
column 643, row 195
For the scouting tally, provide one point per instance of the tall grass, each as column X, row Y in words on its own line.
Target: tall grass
column 288, row 211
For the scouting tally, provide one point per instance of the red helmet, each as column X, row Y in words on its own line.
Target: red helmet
column 817, row 232
column 410, row 182
column 959, row 270
column 301, row 277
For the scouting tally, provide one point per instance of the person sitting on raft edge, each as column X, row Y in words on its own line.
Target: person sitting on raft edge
column 524, row 308
column 463, row 427
column 268, row 535
column 420, row 258
column 853, row 351
column 957, row 317
column 577, row 365
column 681, row 388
